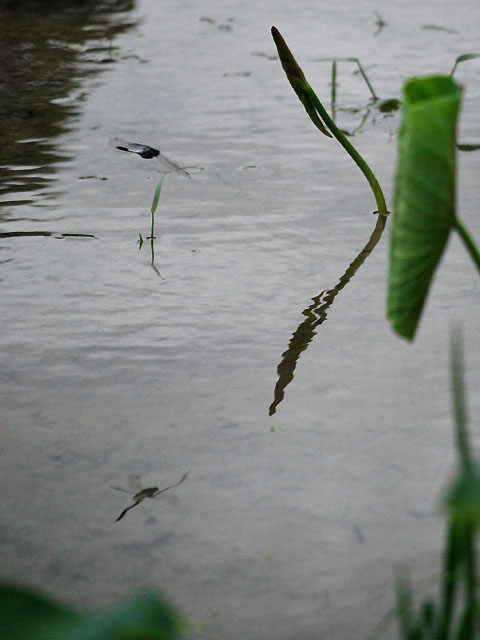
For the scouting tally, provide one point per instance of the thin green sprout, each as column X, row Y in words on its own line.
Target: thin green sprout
column 334, row 88
column 156, row 198
column 360, row 69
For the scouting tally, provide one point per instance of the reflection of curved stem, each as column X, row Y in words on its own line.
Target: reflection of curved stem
column 315, row 314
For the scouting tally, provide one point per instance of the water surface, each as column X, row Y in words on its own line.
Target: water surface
column 288, row 525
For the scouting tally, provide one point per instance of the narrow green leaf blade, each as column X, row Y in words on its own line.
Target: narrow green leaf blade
column 156, row 195
column 424, row 197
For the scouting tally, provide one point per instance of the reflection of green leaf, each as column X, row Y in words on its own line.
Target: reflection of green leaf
column 424, row 199
column 26, row 615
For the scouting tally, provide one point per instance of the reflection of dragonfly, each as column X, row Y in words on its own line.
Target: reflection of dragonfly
column 140, row 494
column 144, row 151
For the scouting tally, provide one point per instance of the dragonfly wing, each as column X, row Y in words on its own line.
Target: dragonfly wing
column 168, row 166
column 134, row 482
column 172, row 486
column 147, row 152
column 122, row 489
column 119, row 143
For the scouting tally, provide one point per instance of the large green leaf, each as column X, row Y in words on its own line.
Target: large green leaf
column 424, row 198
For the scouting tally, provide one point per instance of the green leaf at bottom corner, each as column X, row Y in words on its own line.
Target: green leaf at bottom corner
column 424, row 198
column 26, row 614
column 143, row 617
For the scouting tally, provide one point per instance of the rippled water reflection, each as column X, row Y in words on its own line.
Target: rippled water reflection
column 288, row 525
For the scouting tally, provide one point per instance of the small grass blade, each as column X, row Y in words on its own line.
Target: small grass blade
column 361, row 70
column 156, row 195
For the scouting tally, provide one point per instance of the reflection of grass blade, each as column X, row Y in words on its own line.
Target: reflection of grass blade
column 424, row 200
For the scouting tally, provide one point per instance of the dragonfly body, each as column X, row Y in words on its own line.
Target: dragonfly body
column 147, row 152
column 143, row 150
column 151, row 492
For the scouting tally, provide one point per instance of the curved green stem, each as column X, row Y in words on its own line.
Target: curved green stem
column 468, row 242
column 320, row 117
column 352, row 152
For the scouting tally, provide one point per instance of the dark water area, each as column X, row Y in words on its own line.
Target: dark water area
column 48, row 49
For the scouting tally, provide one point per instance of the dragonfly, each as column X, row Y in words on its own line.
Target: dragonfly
column 140, row 494
column 147, row 152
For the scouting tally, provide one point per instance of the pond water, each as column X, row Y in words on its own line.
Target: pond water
column 288, row 525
